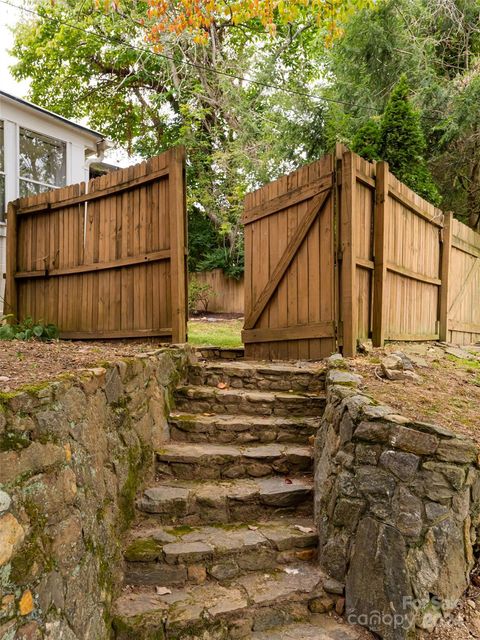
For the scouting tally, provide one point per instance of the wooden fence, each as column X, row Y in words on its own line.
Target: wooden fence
column 109, row 262
column 289, row 266
column 3, row 263
column 399, row 268
column 228, row 293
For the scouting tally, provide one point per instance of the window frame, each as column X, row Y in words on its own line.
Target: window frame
column 47, row 185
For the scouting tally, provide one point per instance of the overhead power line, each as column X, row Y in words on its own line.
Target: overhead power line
column 195, row 65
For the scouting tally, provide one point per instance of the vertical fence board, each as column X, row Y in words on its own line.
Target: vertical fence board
column 380, row 273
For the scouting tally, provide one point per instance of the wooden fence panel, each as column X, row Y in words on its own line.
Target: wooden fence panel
column 464, row 293
column 289, row 266
column 413, row 265
column 228, row 293
column 109, row 263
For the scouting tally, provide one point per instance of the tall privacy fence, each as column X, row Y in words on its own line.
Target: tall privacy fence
column 225, row 294
column 106, row 259
column 341, row 250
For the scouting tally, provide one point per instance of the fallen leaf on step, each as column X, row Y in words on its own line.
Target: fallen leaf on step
column 162, row 591
column 222, row 385
column 311, row 440
column 291, row 571
column 252, row 528
column 288, row 481
column 208, row 414
column 304, row 529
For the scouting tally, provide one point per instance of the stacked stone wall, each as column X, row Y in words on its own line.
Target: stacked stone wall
column 397, row 505
column 73, row 453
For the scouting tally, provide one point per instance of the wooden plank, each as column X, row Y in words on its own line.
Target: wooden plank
column 445, row 275
column 380, row 272
column 408, row 273
column 11, row 292
column 365, row 264
column 465, row 327
column 285, row 200
column 116, row 334
column 412, row 206
column 294, row 332
column 178, row 271
column 466, row 247
column 475, row 267
column 348, row 302
column 155, row 256
column 366, row 180
column 95, row 195
column 412, row 337
column 314, row 210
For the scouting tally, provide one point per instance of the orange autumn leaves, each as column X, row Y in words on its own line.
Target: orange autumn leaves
column 195, row 18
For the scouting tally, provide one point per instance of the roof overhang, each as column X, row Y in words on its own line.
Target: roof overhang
column 95, row 136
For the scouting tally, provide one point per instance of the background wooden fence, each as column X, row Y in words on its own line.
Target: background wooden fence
column 402, row 269
column 110, row 263
column 228, row 293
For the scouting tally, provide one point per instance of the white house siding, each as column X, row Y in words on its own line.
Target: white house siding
column 16, row 115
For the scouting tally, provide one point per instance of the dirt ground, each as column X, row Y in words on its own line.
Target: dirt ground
column 448, row 393
column 24, row 363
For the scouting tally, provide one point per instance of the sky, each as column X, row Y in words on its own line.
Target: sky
column 8, row 18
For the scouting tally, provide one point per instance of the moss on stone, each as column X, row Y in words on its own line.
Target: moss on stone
column 179, row 531
column 137, row 460
column 14, row 441
column 131, row 629
column 143, row 549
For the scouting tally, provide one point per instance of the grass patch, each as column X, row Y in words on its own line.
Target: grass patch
column 221, row 333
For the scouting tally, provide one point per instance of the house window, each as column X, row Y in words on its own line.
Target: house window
column 42, row 163
column 3, row 204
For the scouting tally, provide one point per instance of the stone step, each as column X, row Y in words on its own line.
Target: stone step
column 205, row 399
column 253, row 602
column 189, row 502
column 186, row 460
column 318, row 627
column 261, row 376
column 166, row 556
column 239, row 429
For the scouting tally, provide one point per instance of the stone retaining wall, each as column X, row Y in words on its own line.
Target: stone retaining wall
column 72, row 455
column 397, row 506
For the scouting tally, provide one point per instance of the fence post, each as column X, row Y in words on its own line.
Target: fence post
column 178, row 271
column 445, row 274
column 11, row 297
column 380, row 270
column 348, row 301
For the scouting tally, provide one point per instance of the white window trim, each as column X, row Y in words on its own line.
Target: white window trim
column 42, row 135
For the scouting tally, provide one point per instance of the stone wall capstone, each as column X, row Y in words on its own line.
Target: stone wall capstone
column 73, row 453
column 397, row 506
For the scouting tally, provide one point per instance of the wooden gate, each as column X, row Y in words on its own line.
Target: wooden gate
column 289, row 268
column 107, row 262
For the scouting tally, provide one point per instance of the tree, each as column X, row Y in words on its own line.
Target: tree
column 402, row 143
column 147, row 75
column 366, row 141
column 437, row 46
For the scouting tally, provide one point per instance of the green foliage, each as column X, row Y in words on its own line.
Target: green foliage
column 198, row 294
column 402, row 143
column 27, row 329
column 366, row 141
column 437, row 47
column 398, row 139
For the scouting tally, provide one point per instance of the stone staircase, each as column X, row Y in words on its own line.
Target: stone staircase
column 224, row 545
